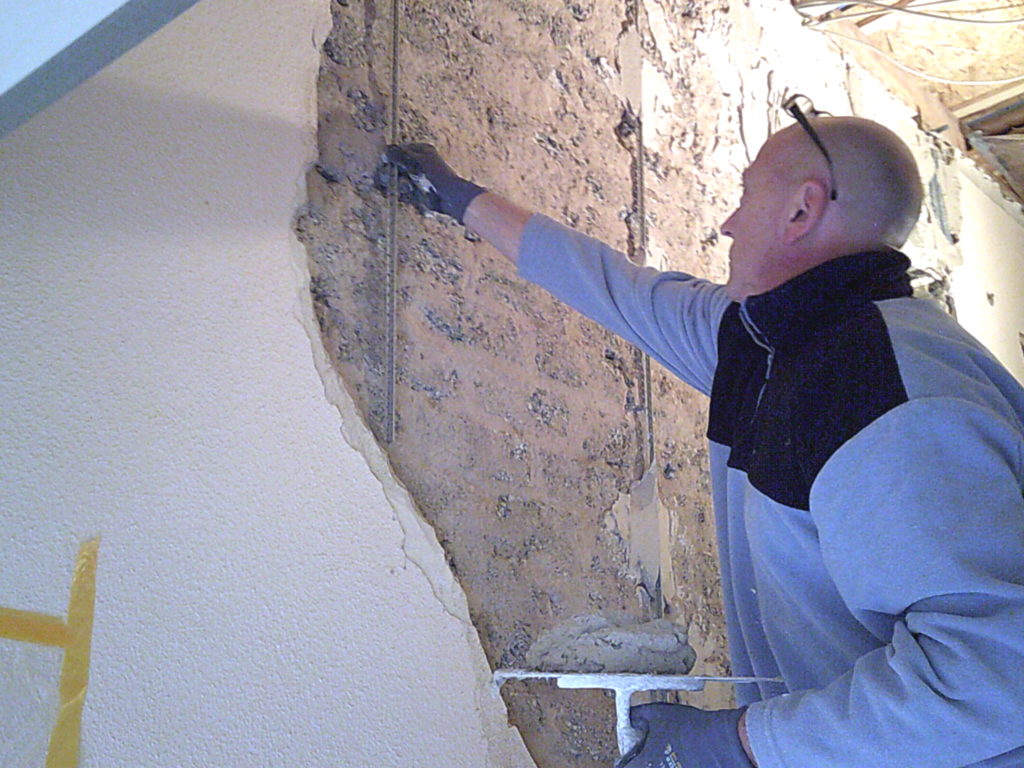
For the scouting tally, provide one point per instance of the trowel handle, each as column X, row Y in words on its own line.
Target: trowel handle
column 627, row 735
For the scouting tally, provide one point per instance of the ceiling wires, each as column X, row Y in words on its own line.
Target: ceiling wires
column 965, row 16
column 1005, row 7
column 927, row 76
column 820, row 22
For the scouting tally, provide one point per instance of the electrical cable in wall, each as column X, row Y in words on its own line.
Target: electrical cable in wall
column 978, row 11
column 391, row 341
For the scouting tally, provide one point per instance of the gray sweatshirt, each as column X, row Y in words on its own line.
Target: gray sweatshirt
column 867, row 463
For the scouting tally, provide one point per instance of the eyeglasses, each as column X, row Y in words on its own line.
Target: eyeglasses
column 799, row 107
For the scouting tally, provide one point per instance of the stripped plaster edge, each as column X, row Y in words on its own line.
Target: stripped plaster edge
column 419, row 540
column 420, row 545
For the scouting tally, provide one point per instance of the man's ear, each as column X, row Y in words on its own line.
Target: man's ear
column 806, row 208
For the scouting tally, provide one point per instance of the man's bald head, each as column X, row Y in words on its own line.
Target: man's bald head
column 787, row 222
column 876, row 178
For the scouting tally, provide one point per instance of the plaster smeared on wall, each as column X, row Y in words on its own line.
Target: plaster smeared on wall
column 642, row 524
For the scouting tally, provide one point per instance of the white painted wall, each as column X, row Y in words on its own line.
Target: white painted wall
column 988, row 287
column 263, row 599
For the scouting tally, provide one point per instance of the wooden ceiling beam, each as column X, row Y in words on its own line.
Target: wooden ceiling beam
column 986, row 101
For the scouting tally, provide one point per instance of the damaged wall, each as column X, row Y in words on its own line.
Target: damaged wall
column 262, row 597
column 522, row 429
column 262, row 582
column 520, row 424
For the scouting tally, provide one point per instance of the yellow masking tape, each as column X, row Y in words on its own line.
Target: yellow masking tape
column 37, row 628
column 74, row 673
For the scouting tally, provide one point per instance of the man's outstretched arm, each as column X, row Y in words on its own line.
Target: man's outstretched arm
column 498, row 221
column 672, row 316
column 678, row 327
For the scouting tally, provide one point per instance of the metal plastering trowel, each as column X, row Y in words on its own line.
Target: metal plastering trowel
column 618, row 652
column 624, row 684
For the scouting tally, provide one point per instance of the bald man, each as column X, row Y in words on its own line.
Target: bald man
column 867, row 462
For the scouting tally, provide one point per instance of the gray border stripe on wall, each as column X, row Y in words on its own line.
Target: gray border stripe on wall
column 118, row 33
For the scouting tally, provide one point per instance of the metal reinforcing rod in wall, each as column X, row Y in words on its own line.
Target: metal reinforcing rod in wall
column 392, row 236
column 631, row 137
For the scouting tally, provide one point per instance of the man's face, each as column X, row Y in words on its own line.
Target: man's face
column 753, row 227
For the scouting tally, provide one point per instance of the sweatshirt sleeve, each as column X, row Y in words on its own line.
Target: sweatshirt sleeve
column 672, row 316
column 921, row 525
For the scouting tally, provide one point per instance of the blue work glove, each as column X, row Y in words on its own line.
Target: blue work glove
column 442, row 189
column 678, row 736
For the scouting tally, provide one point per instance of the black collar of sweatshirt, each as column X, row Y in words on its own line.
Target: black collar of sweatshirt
column 787, row 314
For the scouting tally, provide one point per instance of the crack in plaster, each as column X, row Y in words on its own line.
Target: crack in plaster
column 419, row 544
column 419, row 540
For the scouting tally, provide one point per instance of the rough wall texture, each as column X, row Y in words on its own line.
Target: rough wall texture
column 520, row 424
column 522, row 428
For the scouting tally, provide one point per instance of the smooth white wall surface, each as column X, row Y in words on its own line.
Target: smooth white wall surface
column 266, row 594
column 988, row 287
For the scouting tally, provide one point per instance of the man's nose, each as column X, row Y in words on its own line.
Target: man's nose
column 726, row 226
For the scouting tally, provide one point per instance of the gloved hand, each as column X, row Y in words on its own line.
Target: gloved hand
column 446, row 191
column 678, row 736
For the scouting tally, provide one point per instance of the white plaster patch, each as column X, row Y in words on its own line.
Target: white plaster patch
column 659, row 102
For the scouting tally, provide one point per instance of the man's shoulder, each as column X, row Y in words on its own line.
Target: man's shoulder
column 889, row 354
column 937, row 357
